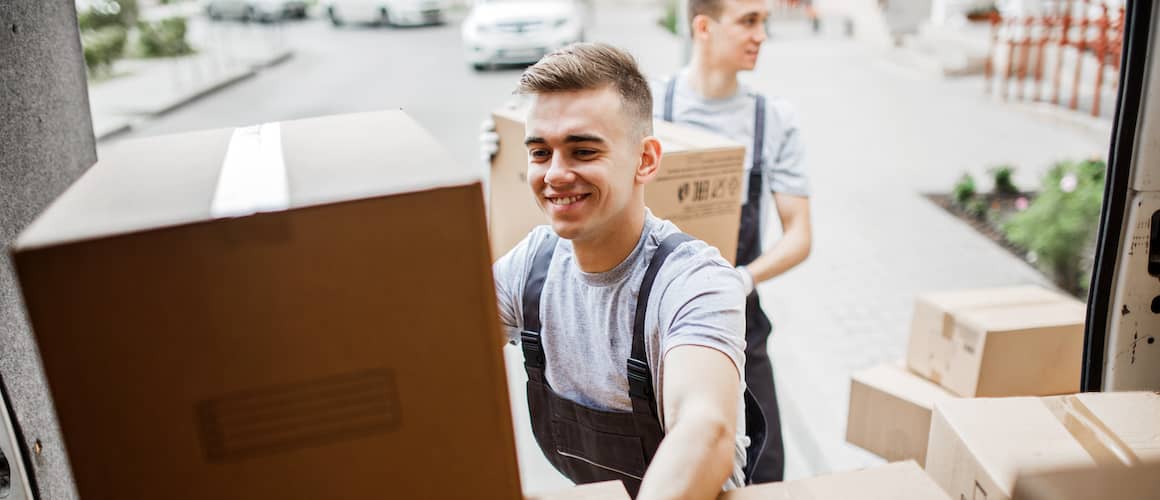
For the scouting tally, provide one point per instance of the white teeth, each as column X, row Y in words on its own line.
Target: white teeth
column 564, row 201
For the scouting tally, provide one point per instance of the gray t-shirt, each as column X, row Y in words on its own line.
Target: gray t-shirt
column 734, row 117
column 697, row 299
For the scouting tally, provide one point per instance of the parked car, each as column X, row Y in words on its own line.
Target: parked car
column 387, row 12
column 520, row 31
column 255, row 10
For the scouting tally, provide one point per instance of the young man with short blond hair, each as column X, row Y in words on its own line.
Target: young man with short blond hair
column 632, row 332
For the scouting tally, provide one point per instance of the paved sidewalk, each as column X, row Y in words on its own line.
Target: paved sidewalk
column 227, row 52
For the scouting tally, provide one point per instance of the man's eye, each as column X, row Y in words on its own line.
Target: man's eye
column 539, row 153
column 585, row 152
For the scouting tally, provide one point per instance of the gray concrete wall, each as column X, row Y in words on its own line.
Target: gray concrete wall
column 46, row 142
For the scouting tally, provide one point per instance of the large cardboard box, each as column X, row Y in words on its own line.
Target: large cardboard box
column 608, row 490
column 1140, row 482
column 896, row 481
column 198, row 349
column 1020, row 341
column 890, row 410
column 979, row 446
column 698, row 187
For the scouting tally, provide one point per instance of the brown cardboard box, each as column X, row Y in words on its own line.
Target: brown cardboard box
column 932, row 327
column 1022, row 341
column 698, row 187
column 608, row 490
column 1140, row 482
column 304, row 351
column 896, row 481
column 979, row 446
column 890, row 411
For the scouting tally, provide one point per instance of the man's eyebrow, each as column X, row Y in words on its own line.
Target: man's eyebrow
column 571, row 138
column 583, row 138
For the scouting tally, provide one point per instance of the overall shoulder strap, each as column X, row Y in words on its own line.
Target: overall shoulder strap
column 640, row 384
column 533, row 290
column 670, row 90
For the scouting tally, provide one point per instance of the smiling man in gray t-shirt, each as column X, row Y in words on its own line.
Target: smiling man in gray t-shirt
column 650, row 396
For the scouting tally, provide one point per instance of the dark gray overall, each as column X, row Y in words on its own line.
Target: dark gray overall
column 758, row 369
column 589, row 445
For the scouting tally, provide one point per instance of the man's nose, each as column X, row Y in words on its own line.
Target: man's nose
column 558, row 173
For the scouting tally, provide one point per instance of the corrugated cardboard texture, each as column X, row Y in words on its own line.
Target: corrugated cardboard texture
column 46, row 142
column 1085, row 483
column 931, row 328
column 982, row 444
column 307, row 353
column 608, row 490
column 890, row 410
column 897, row 481
column 698, row 187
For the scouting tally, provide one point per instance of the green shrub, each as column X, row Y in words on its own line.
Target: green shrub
column 1004, row 182
column 1060, row 223
column 102, row 47
column 977, row 208
column 964, row 190
column 164, row 38
column 103, row 13
column 670, row 19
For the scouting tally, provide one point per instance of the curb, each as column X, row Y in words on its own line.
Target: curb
column 197, row 95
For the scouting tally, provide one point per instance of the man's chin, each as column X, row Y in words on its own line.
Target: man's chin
column 566, row 230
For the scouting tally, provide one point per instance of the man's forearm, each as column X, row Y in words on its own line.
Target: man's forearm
column 693, row 461
column 789, row 251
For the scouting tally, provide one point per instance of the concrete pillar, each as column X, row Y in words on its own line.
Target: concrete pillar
column 46, row 142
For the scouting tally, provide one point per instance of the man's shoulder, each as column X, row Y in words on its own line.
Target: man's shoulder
column 693, row 256
column 518, row 260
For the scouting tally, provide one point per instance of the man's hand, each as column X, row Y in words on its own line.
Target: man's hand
column 701, row 391
column 488, row 140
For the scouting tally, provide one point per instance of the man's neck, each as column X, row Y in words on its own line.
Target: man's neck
column 602, row 254
column 710, row 82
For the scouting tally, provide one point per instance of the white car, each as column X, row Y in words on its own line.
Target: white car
column 387, row 12
column 255, row 10
column 519, row 31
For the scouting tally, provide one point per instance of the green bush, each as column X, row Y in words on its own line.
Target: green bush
column 1060, row 223
column 964, row 190
column 977, row 208
column 103, row 13
column 669, row 21
column 1004, row 183
column 164, row 38
column 102, row 47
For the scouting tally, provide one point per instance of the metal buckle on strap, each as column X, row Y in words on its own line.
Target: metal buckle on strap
column 533, row 349
column 639, row 380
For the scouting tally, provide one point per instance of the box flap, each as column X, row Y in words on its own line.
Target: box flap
column 171, row 180
column 1023, row 316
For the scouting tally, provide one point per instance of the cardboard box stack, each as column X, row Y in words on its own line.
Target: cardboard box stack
column 1139, row 482
column 978, row 447
column 263, row 313
column 896, row 481
column 1011, row 341
column 699, row 187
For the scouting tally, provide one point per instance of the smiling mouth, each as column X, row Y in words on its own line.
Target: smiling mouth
column 568, row 200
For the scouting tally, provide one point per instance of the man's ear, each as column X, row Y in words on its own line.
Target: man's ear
column 650, row 160
column 700, row 26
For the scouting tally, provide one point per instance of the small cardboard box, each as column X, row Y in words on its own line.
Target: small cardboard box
column 932, row 327
column 890, row 410
column 1023, row 341
column 608, row 490
column 979, row 446
column 1141, row 482
column 262, row 313
column 896, row 481
column 698, row 187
